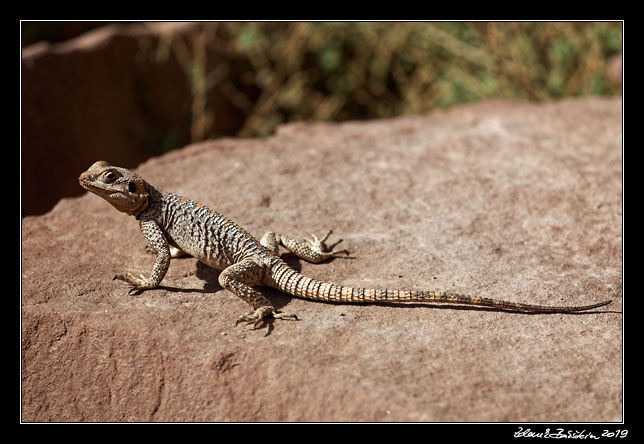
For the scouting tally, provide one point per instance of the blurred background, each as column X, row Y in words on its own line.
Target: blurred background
column 126, row 91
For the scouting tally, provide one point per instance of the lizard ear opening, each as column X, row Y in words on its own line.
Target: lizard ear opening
column 131, row 187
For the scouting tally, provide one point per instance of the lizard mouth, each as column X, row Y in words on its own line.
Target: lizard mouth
column 122, row 200
column 86, row 185
column 97, row 189
column 89, row 186
column 85, row 181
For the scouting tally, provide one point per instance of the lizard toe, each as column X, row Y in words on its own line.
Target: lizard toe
column 257, row 317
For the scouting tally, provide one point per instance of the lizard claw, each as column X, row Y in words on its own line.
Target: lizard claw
column 317, row 245
column 135, row 289
column 257, row 316
column 136, row 284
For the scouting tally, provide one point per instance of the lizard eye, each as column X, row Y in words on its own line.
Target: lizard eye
column 110, row 176
column 132, row 187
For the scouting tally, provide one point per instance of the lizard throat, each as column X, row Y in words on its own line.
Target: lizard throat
column 141, row 205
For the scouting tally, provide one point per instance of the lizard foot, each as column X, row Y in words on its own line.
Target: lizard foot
column 137, row 284
column 257, row 316
column 317, row 245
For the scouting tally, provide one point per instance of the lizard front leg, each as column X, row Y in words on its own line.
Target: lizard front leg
column 239, row 279
column 311, row 250
column 174, row 251
column 159, row 244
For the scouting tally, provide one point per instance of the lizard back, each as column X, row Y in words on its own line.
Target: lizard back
column 201, row 232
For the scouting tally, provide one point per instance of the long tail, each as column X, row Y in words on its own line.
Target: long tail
column 289, row 281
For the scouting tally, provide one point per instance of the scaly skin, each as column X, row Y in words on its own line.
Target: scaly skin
column 174, row 225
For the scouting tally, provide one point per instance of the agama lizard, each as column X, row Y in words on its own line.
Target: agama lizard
column 174, row 225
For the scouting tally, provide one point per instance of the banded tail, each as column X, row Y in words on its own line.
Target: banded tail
column 290, row 281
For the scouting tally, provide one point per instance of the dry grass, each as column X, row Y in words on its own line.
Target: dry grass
column 279, row 72
column 284, row 71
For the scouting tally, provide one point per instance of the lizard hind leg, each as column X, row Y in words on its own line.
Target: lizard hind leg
column 311, row 250
column 239, row 279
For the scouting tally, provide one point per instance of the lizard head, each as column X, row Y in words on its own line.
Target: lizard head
column 125, row 190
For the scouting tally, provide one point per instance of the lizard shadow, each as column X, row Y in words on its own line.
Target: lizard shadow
column 210, row 278
column 447, row 306
column 211, row 275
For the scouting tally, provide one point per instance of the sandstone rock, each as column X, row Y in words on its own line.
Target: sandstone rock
column 505, row 200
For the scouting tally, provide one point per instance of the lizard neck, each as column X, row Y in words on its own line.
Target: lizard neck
column 141, row 205
column 153, row 195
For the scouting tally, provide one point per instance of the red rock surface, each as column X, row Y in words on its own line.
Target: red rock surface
column 505, row 200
